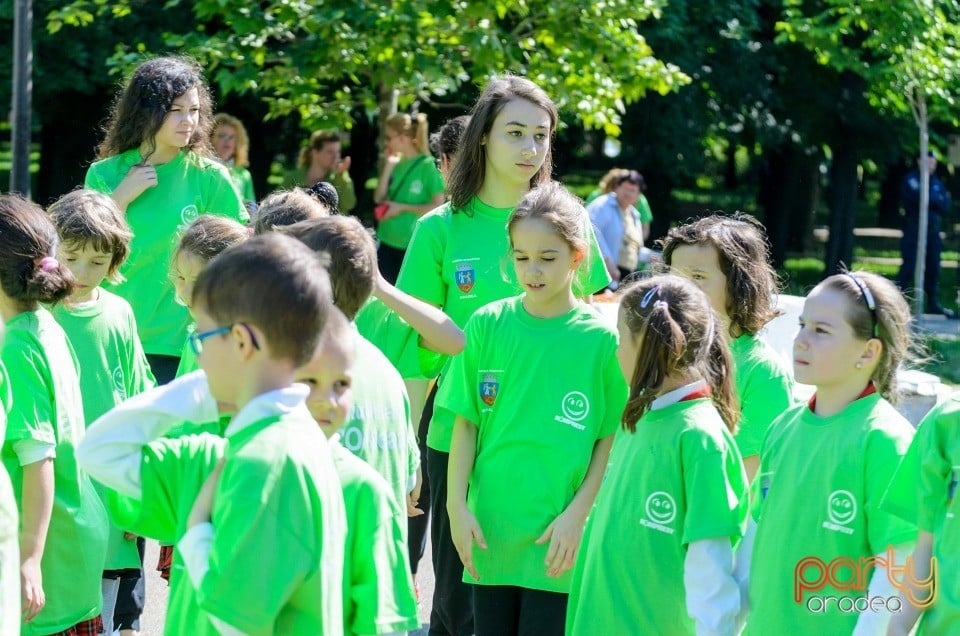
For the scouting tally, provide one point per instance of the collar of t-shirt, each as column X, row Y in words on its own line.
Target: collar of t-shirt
column 871, row 389
column 686, row 392
column 269, row 404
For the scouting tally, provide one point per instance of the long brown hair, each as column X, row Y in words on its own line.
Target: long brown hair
column 470, row 168
column 678, row 333
column 142, row 105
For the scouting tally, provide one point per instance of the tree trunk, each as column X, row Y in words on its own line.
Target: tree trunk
column 920, row 270
column 22, row 96
column 781, row 185
column 843, row 205
column 730, row 180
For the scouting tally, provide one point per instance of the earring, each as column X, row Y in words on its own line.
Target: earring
column 859, row 365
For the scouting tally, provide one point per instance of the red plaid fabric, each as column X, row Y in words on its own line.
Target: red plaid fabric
column 165, row 562
column 91, row 627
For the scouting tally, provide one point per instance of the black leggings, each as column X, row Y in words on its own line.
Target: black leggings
column 507, row 610
column 417, row 526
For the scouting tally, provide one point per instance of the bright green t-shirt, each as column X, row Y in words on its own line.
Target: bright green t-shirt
column 9, row 532
column 46, row 407
column 923, row 491
column 764, row 388
column 541, row 392
column 378, row 593
column 643, row 207
column 819, row 489
column 243, row 182
column 459, row 261
column 415, row 181
column 398, row 341
column 104, row 335
column 187, row 187
column 277, row 514
column 678, row 479
column 378, row 429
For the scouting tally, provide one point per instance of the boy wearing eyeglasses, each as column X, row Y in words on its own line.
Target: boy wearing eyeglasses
column 256, row 513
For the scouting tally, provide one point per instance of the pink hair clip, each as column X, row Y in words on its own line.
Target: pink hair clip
column 49, row 263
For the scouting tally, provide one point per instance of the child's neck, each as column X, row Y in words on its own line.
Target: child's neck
column 269, row 377
column 160, row 155
column 552, row 308
column 9, row 308
column 677, row 380
column 88, row 297
column 502, row 195
column 830, row 400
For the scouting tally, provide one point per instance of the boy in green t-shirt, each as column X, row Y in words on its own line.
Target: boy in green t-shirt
column 94, row 243
column 258, row 516
column 377, row 588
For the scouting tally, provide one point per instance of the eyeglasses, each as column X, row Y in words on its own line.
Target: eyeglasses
column 196, row 339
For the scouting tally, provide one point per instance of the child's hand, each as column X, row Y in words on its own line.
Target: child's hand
column 343, row 166
column 393, row 209
column 202, row 510
column 464, row 529
column 31, row 586
column 129, row 536
column 413, row 497
column 138, row 179
column 564, row 534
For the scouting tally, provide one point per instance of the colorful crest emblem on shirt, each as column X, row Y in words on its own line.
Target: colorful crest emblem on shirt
column 465, row 277
column 489, row 387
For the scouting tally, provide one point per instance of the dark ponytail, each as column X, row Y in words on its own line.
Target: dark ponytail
column 678, row 334
column 29, row 273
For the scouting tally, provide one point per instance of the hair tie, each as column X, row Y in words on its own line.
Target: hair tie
column 661, row 303
column 653, row 291
column 48, row 263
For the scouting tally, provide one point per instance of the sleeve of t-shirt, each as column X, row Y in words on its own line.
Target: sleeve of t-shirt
column 223, row 198
column 935, row 470
column 432, row 180
column 883, row 454
column 95, row 181
column 140, row 377
column 381, row 590
column 171, row 474
column 767, row 392
column 616, row 393
column 413, row 449
column 903, row 494
column 248, row 193
column 246, row 518
column 32, row 411
column 457, row 392
column 593, row 276
column 712, row 501
column 422, row 272
column 398, row 341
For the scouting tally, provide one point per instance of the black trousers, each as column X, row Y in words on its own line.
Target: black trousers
column 507, row 610
column 452, row 613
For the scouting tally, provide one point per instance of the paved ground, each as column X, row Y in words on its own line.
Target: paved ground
column 156, row 607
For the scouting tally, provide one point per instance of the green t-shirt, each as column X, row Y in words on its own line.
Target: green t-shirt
column 415, row 181
column 378, row 429
column 277, row 513
column 677, row 480
column 378, row 593
column 104, row 335
column 46, row 407
column 398, row 341
column 643, row 207
column 819, row 488
column 764, row 388
column 187, row 187
column 923, row 491
column 541, row 393
column 243, row 182
column 9, row 532
column 460, row 261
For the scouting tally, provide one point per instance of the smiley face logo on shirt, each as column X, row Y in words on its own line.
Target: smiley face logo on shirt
column 841, row 507
column 575, row 406
column 661, row 508
column 118, row 383
column 188, row 214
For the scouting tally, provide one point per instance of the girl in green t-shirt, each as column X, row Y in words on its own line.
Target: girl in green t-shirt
column 827, row 556
column 728, row 258
column 63, row 530
column 658, row 550
column 232, row 146
column 410, row 185
column 156, row 162
column 537, row 395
